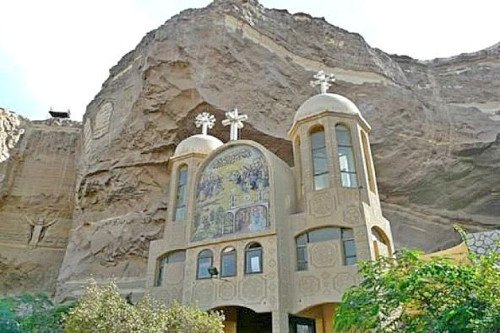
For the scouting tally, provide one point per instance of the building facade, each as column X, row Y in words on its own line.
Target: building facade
column 274, row 247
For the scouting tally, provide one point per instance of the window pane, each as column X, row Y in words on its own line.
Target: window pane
column 159, row 278
column 302, row 265
column 253, row 261
column 349, row 248
column 343, row 136
column 346, row 159
column 318, row 140
column 302, row 239
column 324, row 234
column 349, row 179
column 183, row 176
column 180, row 214
column 228, row 265
column 302, row 253
column 320, row 161
column 350, row 261
column 178, row 256
column 321, row 181
column 181, row 196
column 203, row 265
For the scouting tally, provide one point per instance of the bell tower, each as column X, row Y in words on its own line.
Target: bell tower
column 334, row 169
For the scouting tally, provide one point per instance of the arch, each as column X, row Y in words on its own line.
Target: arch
column 381, row 243
column 322, row 234
column 347, row 164
column 253, row 258
column 319, row 157
column 168, row 258
column 228, row 262
column 180, row 193
column 204, row 262
column 232, row 193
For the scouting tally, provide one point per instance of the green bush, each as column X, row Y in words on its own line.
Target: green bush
column 410, row 294
column 31, row 313
column 102, row 309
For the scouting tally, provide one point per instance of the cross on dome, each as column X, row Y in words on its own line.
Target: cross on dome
column 235, row 121
column 205, row 120
column 323, row 80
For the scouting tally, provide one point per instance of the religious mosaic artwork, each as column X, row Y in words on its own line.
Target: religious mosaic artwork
column 232, row 195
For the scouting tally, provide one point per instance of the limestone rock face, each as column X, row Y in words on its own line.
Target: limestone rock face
column 435, row 126
column 9, row 132
column 36, row 202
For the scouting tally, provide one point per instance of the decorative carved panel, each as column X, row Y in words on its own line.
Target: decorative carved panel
column 227, row 290
column 203, row 292
column 253, row 289
column 342, row 281
column 352, row 215
column 309, row 285
column 322, row 204
column 325, row 254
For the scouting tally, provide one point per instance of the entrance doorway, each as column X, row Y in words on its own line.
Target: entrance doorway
column 244, row 320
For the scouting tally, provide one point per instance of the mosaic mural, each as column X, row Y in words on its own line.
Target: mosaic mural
column 232, row 195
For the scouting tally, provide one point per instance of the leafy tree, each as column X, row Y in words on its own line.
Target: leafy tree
column 411, row 294
column 31, row 313
column 102, row 309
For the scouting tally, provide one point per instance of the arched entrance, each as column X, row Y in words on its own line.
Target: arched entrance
column 315, row 319
column 244, row 320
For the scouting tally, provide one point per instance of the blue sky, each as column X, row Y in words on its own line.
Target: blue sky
column 57, row 52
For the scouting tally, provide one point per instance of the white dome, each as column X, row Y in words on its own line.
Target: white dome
column 199, row 143
column 325, row 102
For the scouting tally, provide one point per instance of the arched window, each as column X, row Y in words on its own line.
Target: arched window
column 180, row 201
column 228, row 262
column 164, row 261
column 380, row 243
column 205, row 261
column 319, row 158
column 321, row 235
column 253, row 259
column 368, row 162
column 346, row 157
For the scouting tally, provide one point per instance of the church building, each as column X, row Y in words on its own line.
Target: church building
column 272, row 246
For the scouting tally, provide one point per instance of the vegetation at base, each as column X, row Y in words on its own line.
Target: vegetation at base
column 31, row 313
column 102, row 309
column 408, row 293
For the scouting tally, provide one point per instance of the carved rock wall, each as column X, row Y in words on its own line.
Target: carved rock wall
column 36, row 204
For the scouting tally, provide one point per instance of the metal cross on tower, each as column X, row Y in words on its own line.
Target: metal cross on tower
column 235, row 121
column 206, row 121
column 323, row 80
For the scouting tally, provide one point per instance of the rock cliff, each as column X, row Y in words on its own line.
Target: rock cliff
column 435, row 133
column 36, row 200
